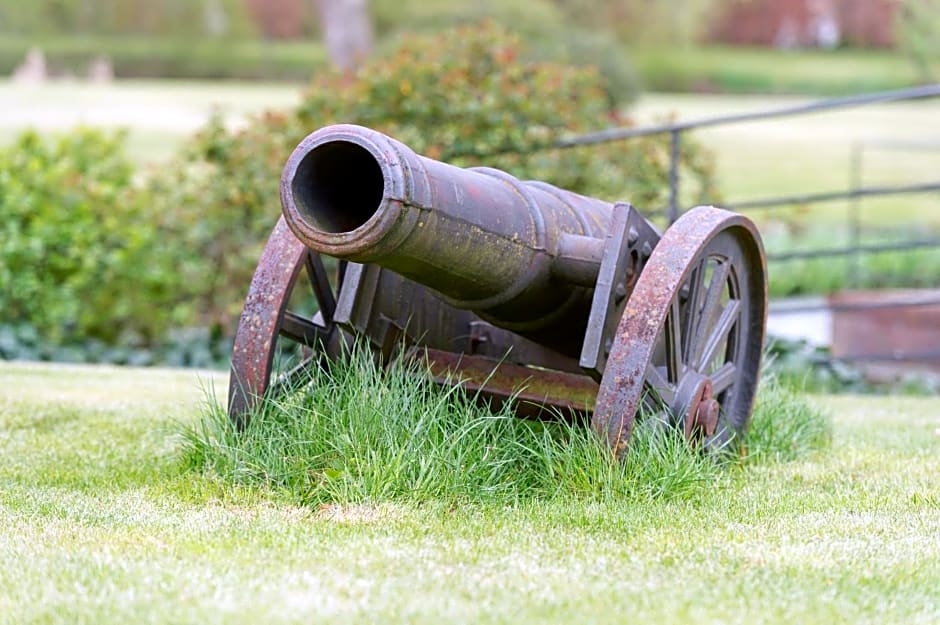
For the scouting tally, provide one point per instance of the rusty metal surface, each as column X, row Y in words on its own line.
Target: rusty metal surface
column 630, row 241
column 253, row 352
column 537, row 393
column 385, row 309
column 482, row 239
column 649, row 357
column 512, row 289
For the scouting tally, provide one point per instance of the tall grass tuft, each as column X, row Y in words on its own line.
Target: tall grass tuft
column 785, row 425
column 355, row 433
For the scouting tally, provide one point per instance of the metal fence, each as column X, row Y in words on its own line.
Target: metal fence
column 853, row 193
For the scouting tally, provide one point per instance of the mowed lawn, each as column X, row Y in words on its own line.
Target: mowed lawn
column 797, row 155
column 897, row 144
column 158, row 114
column 101, row 525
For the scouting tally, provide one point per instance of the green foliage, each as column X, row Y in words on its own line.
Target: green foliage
column 644, row 22
column 465, row 97
column 354, row 433
column 785, row 425
column 174, row 57
column 912, row 268
column 90, row 252
column 547, row 33
column 469, row 97
column 184, row 347
column 735, row 69
column 175, row 18
column 919, row 34
column 77, row 253
column 215, row 209
column 798, row 364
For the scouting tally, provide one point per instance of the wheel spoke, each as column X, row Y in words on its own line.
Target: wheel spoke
column 689, row 330
column 719, row 335
column 316, row 273
column 303, row 331
column 723, row 378
column 673, row 333
column 716, row 288
column 288, row 379
column 341, row 275
column 658, row 384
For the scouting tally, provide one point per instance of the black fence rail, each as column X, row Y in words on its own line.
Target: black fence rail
column 853, row 193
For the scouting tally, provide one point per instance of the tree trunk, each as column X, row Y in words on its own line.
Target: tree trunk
column 347, row 31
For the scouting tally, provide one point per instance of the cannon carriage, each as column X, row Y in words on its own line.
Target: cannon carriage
column 515, row 289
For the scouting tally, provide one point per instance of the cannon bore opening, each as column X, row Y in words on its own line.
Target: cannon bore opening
column 338, row 186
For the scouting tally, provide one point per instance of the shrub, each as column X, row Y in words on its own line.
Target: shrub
column 215, row 209
column 169, row 18
column 77, row 254
column 118, row 260
column 548, row 34
column 150, row 56
column 465, row 96
column 469, row 97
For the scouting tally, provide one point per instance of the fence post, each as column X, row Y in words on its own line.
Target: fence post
column 673, row 175
column 854, row 215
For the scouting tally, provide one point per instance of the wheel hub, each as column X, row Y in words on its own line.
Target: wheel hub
column 697, row 406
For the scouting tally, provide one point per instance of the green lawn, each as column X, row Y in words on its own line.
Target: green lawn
column 812, row 153
column 674, row 68
column 103, row 526
column 799, row 155
column 732, row 69
column 158, row 114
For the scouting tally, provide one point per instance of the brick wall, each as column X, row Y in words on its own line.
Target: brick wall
column 806, row 23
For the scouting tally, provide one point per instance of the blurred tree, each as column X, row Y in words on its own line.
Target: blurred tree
column 347, row 31
column 180, row 19
column 655, row 22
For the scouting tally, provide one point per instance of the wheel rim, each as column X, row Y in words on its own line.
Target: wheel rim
column 690, row 340
column 269, row 320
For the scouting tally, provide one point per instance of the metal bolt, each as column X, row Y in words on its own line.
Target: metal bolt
column 706, row 417
column 620, row 292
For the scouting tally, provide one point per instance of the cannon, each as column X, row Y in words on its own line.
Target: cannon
column 567, row 305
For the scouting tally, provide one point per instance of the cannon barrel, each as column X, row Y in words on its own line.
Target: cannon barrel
column 523, row 255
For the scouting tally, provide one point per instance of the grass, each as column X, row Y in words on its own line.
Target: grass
column 158, row 114
column 812, row 154
column 355, row 434
column 104, row 525
column 730, row 69
column 674, row 69
column 806, row 154
column 789, row 156
column 194, row 58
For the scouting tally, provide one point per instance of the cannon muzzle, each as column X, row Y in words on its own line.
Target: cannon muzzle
column 523, row 255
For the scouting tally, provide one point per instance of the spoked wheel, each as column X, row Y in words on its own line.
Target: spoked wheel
column 688, row 347
column 287, row 323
